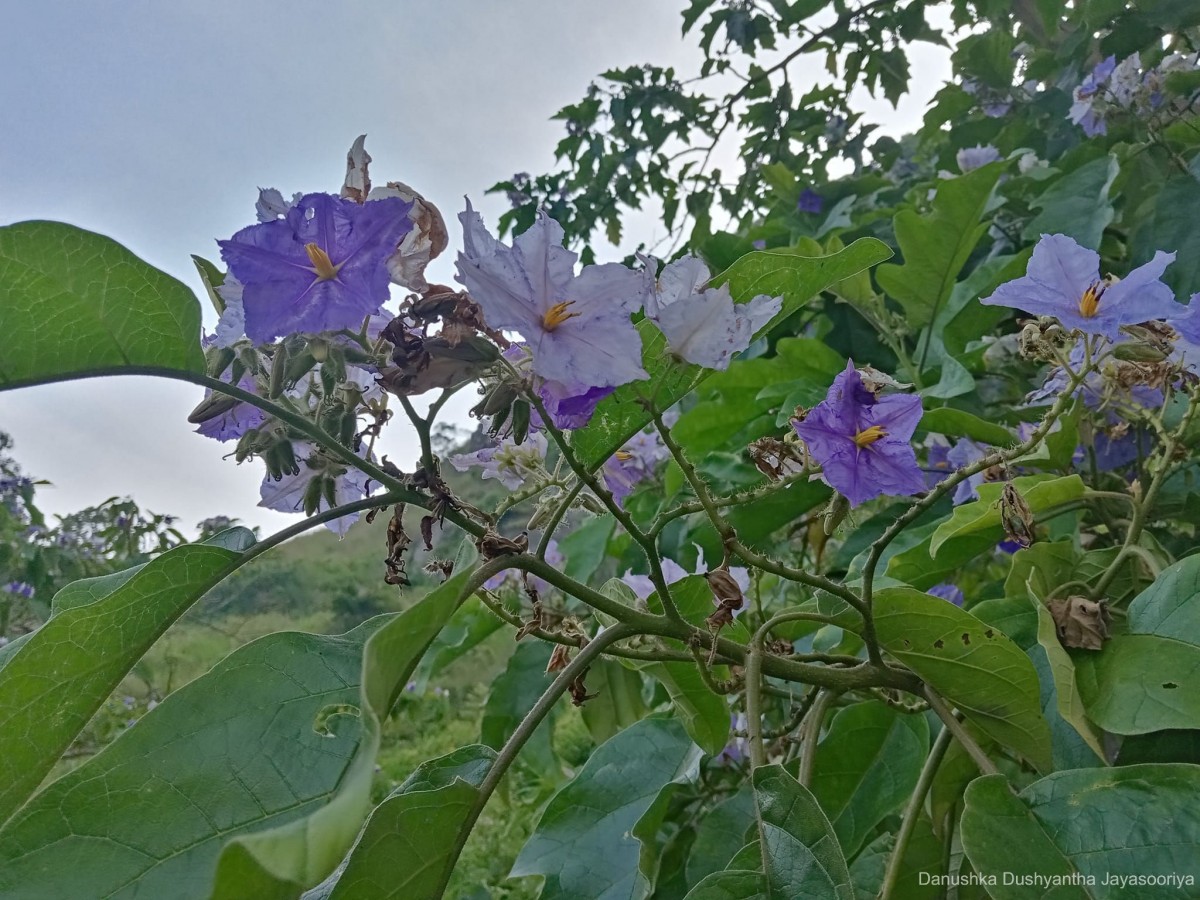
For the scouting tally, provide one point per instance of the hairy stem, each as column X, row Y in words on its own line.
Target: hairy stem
column 912, row 812
column 955, row 727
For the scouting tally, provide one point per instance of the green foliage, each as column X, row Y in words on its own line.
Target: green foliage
column 75, row 304
column 1088, row 822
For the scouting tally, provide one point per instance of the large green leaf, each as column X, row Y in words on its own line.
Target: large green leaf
column 74, row 303
column 1098, row 826
column 618, row 702
column 867, row 765
column 408, row 842
column 270, row 789
column 983, row 515
column 936, row 246
column 959, row 423
column 98, row 629
column 1077, row 204
column 801, row 856
column 1125, row 695
column 975, row 666
column 596, row 838
column 776, row 273
column 149, row 815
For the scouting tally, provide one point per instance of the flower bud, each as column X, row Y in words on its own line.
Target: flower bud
column 210, row 407
column 835, row 513
column 218, row 360
column 520, row 422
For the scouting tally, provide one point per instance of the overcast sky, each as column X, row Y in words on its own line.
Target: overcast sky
column 155, row 123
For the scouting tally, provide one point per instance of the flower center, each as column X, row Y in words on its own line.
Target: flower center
column 623, row 455
column 1089, row 303
column 557, row 314
column 868, row 436
column 322, row 264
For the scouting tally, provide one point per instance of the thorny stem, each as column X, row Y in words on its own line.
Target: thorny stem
column 724, row 529
column 556, row 517
column 1142, row 507
column 589, row 478
column 379, row 501
column 912, row 812
column 981, row 759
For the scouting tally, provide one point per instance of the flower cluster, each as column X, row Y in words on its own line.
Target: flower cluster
column 1112, row 88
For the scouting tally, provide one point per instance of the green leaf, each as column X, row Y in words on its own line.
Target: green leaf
column 718, row 835
column 801, row 854
column 1170, row 607
column 405, row 848
column 983, row 515
column 978, row 668
column 958, row 423
column 736, row 884
column 776, row 273
column 1172, row 226
column 151, row 813
column 97, row 630
column 1077, row 204
column 935, row 247
column 704, row 714
column 584, row 547
column 467, row 628
column 866, row 766
column 596, row 837
column 513, row 694
column 1121, row 692
column 74, row 303
column 619, row 703
column 1062, row 670
column 1140, row 683
column 1102, row 824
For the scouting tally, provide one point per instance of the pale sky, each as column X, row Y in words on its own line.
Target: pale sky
column 155, row 123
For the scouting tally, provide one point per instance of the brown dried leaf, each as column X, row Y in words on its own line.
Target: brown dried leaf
column 1081, row 623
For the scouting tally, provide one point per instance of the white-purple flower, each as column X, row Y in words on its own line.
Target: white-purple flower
column 971, row 158
column 702, row 324
column 577, row 326
column 673, row 572
column 862, row 441
column 1063, row 280
column 1085, row 95
column 553, row 557
column 632, row 464
column 509, row 463
column 288, row 493
column 320, row 268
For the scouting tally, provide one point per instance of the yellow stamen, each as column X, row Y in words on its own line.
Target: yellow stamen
column 624, row 455
column 557, row 314
column 868, row 436
column 322, row 264
column 1089, row 303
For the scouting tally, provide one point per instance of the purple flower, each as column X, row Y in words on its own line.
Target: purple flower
column 513, row 576
column 947, row 592
column 1187, row 322
column 760, row 244
column 701, row 324
column 737, row 749
column 509, row 463
column 1126, row 80
column 1081, row 112
column 810, row 201
column 963, row 454
column 862, row 441
column 971, row 158
column 937, row 461
column 287, row 494
column 577, row 326
column 20, row 589
column 320, row 268
column 632, row 464
column 231, row 425
column 570, row 406
column 1063, row 280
